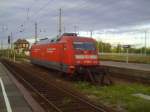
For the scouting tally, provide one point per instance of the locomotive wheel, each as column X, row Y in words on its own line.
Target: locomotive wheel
column 102, row 76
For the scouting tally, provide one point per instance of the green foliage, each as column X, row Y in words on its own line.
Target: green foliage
column 118, row 48
column 122, row 58
column 7, row 52
column 103, row 47
column 119, row 96
column 107, row 47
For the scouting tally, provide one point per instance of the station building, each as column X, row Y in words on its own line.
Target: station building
column 22, row 46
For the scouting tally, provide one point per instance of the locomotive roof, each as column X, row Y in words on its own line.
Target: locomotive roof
column 47, row 40
column 77, row 38
column 65, row 36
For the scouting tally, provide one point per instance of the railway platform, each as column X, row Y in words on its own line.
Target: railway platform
column 129, row 70
column 135, row 66
column 11, row 98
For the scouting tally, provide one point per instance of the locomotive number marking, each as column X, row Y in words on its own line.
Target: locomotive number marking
column 51, row 49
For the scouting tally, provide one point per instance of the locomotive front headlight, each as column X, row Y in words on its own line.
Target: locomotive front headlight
column 79, row 56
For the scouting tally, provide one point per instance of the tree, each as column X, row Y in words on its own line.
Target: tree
column 103, row 47
column 118, row 48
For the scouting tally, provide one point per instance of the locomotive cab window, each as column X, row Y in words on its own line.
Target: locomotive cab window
column 84, row 45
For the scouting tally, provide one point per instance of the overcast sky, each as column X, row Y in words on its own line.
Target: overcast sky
column 107, row 18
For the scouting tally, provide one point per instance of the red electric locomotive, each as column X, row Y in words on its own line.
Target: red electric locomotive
column 70, row 53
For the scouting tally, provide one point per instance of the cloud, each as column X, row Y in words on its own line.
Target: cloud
column 86, row 14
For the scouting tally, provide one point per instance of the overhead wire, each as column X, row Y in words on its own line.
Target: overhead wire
column 28, row 10
column 35, row 16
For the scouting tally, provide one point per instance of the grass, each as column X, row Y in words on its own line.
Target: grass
column 132, row 58
column 119, row 97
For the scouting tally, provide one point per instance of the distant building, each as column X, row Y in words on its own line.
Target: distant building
column 22, row 46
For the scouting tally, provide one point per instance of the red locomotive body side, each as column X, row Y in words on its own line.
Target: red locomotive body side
column 66, row 54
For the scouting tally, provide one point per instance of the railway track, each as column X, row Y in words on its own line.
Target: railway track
column 51, row 95
column 131, row 78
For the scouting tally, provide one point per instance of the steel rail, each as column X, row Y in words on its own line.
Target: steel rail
column 33, row 88
column 95, row 107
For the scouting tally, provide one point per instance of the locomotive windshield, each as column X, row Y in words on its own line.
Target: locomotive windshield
column 84, row 45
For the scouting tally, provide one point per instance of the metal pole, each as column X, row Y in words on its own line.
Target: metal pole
column 91, row 33
column 1, row 48
column 27, row 13
column 3, row 31
column 145, row 44
column 12, row 48
column 98, row 46
column 102, row 46
column 141, row 46
column 75, row 29
column 14, row 54
column 9, row 46
column 64, row 29
column 8, row 50
column 11, row 39
column 60, row 24
column 127, row 58
column 35, row 32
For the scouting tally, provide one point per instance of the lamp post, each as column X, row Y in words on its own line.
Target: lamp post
column 127, row 52
column 145, row 51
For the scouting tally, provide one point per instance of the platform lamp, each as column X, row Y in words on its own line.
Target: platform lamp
column 127, row 52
